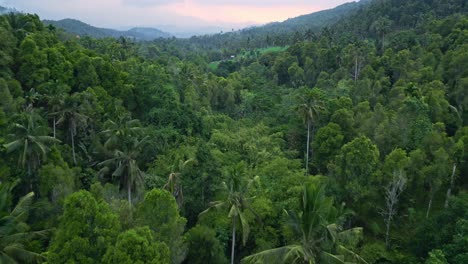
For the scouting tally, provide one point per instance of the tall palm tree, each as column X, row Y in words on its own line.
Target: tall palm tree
column 237, row 202
column 30, row 140
column 320, row 240
column 13, row 230
column 174, row 181
column 73, row 118
column 122, row 164
column 309, row 107
column 55, row 102
column 117, row 132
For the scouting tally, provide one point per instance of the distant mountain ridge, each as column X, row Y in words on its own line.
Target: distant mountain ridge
column 80, row 28
column 314, row 21
column 279, row 33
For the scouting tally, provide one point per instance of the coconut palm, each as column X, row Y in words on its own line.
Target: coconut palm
column 237, row 202
column 117, row 132
column 55, row 103
column 30, row 140
column 309, row 107
column 122, row 164
column 174, row 181
column 13, row 230
column 320, row 239
column 71, row 115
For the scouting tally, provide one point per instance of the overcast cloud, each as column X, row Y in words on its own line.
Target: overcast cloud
column 182, row 13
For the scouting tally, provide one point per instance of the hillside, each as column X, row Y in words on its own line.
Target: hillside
column 284, row 33
column 314, row 21
column 80, row 28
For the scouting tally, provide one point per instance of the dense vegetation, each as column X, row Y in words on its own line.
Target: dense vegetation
column 347, row 147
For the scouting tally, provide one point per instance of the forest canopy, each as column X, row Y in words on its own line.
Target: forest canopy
column 345, row 144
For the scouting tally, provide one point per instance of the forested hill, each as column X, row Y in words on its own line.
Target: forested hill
column 277, row 33
column 396, row 16
column 349, row 147
column 309, row 22
column 82, row 29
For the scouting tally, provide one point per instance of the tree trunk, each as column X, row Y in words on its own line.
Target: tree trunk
column 430, row 203
column 383, row 43
column 30, row 177
column 449, row 191
column 387, row 232
column 233, row 239
column 129, row 193
column 54, row 127
column 307, row 147
column 356, row 69
column 73, row 146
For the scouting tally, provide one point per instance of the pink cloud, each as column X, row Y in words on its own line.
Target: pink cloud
column 241, row 13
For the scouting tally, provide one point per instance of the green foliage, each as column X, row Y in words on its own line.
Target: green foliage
column 436, row 257
column 327, row 142
column 319, row 239
column 160, row 213
column 14, row 231
column 137, row 246
column 388, row 103
column 356, row 168
column 203, row 246
column 86, row 229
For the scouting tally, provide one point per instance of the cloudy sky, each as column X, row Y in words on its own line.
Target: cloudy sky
column 127, row 13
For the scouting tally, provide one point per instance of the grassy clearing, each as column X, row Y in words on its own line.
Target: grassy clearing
column 214, row 64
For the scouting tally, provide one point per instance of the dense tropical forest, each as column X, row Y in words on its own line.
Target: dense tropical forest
column 344, row 144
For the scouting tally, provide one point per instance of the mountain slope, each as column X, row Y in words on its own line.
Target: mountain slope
column 80, row 28
column 277, row 33
column 314, row 21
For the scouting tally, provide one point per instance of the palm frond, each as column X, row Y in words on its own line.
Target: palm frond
column 23, row 205
column 270, row 256
column 22, row 255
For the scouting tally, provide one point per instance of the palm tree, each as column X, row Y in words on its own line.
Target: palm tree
column 122, row 164
column 30, row 140
column 118, row 132
column 320, row 240
column 173, row 184
column 309, row 108
column 237, row 202
column 73, row 118
column 13, row 230
column 55, row 103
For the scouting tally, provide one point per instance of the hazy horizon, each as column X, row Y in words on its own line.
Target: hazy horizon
column 174, row 15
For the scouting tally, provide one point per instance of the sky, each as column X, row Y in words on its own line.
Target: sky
column 176, row 13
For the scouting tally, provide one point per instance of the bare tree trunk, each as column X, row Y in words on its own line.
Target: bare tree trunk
column 387, row 231
column 430, row 203
column 233, row 239
column 73, row 146
column 307, row 147
column 449, row 191
column 356, row 69
column 392, row 194
column 129, row 194
column 54, row 127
